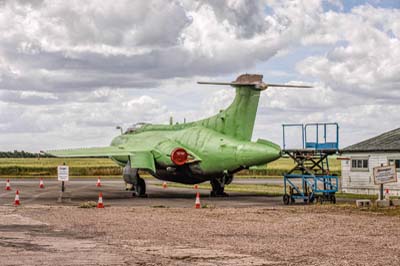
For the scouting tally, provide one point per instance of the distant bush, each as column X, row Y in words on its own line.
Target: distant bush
column 21, row 154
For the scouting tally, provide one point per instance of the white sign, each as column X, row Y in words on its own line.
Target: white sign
column 63, row 172
column 385, row 174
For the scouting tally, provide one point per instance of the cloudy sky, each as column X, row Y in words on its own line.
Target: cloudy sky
column 70, row 71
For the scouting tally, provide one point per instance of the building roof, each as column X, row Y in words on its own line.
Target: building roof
column 388, row 142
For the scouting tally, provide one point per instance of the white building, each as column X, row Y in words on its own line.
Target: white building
column 358, row 161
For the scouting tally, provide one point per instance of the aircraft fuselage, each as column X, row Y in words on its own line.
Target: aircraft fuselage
column 213, row 154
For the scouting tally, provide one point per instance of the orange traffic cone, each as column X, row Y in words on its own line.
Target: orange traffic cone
column 98, row 182
column 100, row 202
column 196, row 186
column 41, row 184
column 8, row 187
column 16, row 201
column 197, row 204
column 164, row 185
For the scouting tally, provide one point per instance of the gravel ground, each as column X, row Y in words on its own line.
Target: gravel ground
column 298, row 235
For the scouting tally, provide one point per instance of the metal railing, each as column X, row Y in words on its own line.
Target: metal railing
column 314, row 143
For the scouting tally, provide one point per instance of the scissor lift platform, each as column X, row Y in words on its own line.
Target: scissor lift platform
column 310, row 179
column 312, row 188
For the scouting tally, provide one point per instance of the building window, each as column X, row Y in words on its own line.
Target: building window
column 395, row 162
column 359, row 164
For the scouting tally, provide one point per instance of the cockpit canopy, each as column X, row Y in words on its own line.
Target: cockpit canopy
column 135, row 127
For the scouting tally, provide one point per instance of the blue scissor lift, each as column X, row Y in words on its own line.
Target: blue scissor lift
column 310, row 179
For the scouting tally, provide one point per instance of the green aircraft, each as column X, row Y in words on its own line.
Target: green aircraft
column 212, row 149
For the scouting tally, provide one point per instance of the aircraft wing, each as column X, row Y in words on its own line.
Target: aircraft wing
column 90, row 152
column 139, row 159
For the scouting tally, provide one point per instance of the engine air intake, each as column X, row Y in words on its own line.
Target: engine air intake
column 179, row 156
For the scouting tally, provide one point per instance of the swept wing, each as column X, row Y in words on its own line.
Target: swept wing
column 138, row 159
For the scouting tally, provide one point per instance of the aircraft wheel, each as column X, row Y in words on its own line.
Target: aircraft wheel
column 218, row 194
column 217, row 189
column 140, row 188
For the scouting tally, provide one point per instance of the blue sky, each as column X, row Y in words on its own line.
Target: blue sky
column 349, row 4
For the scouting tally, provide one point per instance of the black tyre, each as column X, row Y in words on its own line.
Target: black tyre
column 140, row 188
column 286, row 199
column 221, row 194
column 320, row 199
column 333, row 199
column 311, row 199
column 217, row 189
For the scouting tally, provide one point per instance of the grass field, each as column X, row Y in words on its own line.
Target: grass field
column 26, row 167
column 283, row 165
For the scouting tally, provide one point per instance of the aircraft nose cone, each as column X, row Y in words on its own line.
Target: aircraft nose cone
column 258, row 153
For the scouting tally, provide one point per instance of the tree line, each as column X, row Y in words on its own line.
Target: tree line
column 21, row 154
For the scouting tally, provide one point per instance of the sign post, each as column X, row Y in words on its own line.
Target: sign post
column 383, row 175
column 63, row 176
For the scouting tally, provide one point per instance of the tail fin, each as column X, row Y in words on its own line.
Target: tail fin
column 238, row 119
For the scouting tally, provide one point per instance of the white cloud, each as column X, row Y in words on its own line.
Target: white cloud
column 65, row 66
column 365, row 61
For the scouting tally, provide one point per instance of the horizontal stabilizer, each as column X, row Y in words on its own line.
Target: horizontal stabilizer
column 252, row 81
column 287, row 86
column 226, row 83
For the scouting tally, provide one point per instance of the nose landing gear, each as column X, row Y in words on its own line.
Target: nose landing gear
column 131, row 176
column 140, row 187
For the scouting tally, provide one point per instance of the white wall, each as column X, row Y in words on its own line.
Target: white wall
column 360, row 182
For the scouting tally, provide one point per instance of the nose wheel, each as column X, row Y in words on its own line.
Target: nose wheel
column 140, row 188
column 134, row 181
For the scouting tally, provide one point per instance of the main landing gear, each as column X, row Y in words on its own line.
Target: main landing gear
column 218, row 185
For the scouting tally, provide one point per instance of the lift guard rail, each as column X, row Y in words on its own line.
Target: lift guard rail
column 317, row 142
